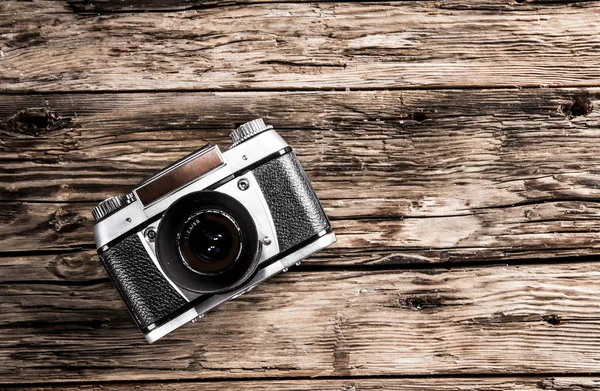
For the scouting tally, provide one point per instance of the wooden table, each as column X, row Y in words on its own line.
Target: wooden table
column 454, row 145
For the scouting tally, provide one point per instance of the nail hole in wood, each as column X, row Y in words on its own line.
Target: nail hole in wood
column 418, row 116
column 552, row 319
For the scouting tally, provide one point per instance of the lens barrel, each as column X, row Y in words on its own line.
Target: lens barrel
column 207, row 242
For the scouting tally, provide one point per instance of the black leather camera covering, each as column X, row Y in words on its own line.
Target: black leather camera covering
column 295, row 208
column 144, row 289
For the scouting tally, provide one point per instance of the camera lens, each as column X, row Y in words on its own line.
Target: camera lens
column 210, row 241
column 207, row 242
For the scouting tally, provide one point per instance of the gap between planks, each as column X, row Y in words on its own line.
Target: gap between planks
column 300, row 89
column 479, row 382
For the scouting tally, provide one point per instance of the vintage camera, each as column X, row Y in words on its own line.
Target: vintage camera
column 208, row 228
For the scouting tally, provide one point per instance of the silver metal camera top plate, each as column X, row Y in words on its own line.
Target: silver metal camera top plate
column 236, row 159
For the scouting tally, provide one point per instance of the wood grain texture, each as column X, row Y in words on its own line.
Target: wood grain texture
column 450, row 164
column 470, row 320
column 298, row 46
column 446, row 151
column 548, row 230
column 560, row 383
column 109, row 6
column 407, row 176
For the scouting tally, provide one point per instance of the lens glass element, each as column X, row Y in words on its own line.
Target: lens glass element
column 210, row 242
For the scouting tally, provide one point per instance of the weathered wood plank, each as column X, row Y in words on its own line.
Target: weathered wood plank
column 545, row 230
column 432, row 175
column 100, row 6
column 401, row 152
column 84, row 7
column 298, row 46
column 526, row 319
column 559, row 383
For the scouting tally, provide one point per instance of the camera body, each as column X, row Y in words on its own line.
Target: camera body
column 209, row 228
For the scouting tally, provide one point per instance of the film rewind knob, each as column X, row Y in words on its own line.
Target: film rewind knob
column 109, row 206
column 247, row 130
